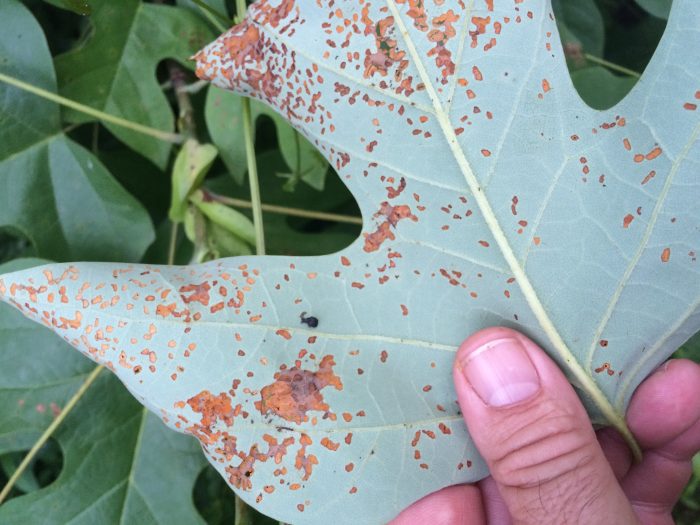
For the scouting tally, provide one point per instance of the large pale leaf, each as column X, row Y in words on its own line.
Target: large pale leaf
column 121, row 464
column 52, row 190
column 115, row 68
column 491, row 195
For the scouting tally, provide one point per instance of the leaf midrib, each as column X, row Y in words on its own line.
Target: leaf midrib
column 528, row 290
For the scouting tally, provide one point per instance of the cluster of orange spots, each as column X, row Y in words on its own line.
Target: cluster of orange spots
column 296, row 391
column 392, row 214
column 212, row 409
column 619, row 121
column 392, row 193
column 198, row 293
column 654, row 153
column 546, row 88
column 692, row 106
column 605, row 367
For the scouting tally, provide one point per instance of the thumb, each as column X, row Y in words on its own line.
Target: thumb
column 534, row 434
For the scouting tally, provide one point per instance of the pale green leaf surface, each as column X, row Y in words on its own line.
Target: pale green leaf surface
column 121, row 464
column 115, row 68
column 491, row 195
column 52, row 190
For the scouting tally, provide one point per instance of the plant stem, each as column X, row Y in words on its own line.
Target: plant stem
column 186, row 124
column 49, row 431
column 611, row 65
column 165, row 136
column 217, row 17
column 172, row 246
column 294, row 212
column 253, row 178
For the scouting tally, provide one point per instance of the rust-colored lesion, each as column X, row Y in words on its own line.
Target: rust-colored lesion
column 197, row 293
column 296, row 391
column 212, row 409
column 392, row 215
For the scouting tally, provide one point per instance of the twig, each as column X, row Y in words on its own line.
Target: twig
column 172, row 246
column 611, row 65
column 294, row 212
column 49, row 431
column 165, row 136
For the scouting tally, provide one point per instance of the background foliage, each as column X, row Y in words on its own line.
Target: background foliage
column 78, row 185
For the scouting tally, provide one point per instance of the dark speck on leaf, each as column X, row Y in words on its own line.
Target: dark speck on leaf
column 311, row 321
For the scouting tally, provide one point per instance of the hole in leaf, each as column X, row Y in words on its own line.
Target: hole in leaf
column 608, row 44
column 13, row 245
column 43, row 470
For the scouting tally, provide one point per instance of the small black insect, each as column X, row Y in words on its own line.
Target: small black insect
column 312, row 322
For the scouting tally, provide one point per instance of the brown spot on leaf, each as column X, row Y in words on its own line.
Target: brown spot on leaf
column 198, row 293
column 296, row 391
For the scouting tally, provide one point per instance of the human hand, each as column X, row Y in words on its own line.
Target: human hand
column 547, row 464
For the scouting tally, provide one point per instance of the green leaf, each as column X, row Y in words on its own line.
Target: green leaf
column 114, row 69
column 217, row 5
column 81, row 7
column 491, row 195
column 658, row 8
column 191, row 166
column 55, row 192
column 600, row 88
column 286, row 235
column 121, row 465
column 580, row 24
column 223, row 114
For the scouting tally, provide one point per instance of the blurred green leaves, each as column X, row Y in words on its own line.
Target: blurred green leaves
column 55, row 193
column 658, row 8
column 114, row 68
column 223, row 114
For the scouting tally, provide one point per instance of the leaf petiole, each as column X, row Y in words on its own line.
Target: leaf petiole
column 49, row 431
column 611, row 65
column 293, row 212
column 165, row 136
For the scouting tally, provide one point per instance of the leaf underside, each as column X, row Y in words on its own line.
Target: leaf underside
column 491, row 195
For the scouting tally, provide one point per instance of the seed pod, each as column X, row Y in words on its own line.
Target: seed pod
column 228, row 218
column 191, row 165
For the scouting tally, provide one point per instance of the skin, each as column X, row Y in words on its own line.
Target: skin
column 549, row 466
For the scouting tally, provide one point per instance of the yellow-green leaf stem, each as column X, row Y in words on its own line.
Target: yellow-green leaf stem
column 292, row 212
column 165, row 136
column 49, row 432
column 611, row 65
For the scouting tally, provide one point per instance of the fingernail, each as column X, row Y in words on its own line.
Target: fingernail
column 501, row 373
